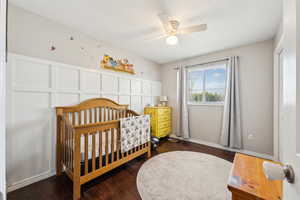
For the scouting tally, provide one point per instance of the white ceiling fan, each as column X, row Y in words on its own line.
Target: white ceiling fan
column 172, row 29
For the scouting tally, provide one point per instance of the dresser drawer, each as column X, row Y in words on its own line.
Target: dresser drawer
column 164, row 132
column 164, row 118
column 165, row 111
column 162, row 125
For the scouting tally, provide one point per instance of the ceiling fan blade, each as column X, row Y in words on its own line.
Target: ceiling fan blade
column 193, row 29
column 155, row 37
column 165, row 21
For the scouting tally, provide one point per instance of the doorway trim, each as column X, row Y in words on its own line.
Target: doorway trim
column 3, row 26
column 276, row 54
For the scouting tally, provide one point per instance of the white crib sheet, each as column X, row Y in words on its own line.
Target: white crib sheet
column 90, row 145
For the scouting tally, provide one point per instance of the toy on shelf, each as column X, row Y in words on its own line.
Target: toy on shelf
column 121, row 65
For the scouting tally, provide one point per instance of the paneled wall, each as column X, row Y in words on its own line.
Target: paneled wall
column 35, row 87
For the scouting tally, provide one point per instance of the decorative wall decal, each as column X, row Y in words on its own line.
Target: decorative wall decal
column 121, row 65
column 52, row 48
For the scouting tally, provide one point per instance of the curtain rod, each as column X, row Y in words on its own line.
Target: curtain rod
column 209, row 62
column 212, row 61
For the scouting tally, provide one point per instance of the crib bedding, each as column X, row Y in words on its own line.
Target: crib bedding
column 135, row 131
column 90, row 145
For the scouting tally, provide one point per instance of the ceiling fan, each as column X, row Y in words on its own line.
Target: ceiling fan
column 172, row 29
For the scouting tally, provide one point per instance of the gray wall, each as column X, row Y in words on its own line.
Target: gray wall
column 256, row 80
column 33, row 35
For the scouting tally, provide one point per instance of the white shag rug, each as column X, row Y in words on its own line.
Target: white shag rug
column 184, row 175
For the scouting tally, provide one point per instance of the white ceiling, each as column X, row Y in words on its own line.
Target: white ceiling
column 126, row 24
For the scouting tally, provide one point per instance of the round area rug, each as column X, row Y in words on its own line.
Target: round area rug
column 184, row 175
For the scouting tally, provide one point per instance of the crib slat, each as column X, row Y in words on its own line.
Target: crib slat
column 104, row 113
column 72, row 149
column 79, row 117
column 100, row 114
column 109, row 115
column 68, row 146
column 95, row 115
column 112, row 144
column 93, row 152
column 100, row 149
column 118, row 143
column 117, row 114
column 63, row 133
column 73, row 118
column 106, row 148
column 86, row 159
column 91, row 115
column 69, row 141
column 85, row 116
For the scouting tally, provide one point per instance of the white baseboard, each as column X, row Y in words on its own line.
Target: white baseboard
column 28, row 181
column 251, row 153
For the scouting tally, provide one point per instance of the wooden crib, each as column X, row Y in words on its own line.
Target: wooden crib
column 88, row 140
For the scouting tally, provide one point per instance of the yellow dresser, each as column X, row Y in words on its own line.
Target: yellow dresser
column 160, row 120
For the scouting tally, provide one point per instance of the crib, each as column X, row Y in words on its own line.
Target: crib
column 88, row 140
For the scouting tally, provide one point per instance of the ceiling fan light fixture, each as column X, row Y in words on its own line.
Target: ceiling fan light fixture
column 172, row 40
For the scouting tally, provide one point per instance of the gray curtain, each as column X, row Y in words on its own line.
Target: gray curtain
column 231, row 134
column 182, row 109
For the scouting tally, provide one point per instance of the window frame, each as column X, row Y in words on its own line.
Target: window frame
column 211, row 65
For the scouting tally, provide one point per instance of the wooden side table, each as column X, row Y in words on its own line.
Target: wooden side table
column 247, row 180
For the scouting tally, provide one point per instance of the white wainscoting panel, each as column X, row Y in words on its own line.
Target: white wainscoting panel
column 124, row 86
column 124, row 99
column 65, row 99
column 28, row 136
column 109, row 84
column 35, row 87
column 136, row 104
column 136, row 87
column 90, row 82
column 31, row 74
column 66, row 78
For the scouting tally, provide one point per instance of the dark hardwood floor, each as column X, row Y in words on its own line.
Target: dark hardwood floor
column 120, row 183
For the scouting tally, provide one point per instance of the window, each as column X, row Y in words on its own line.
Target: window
column 206, row 83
